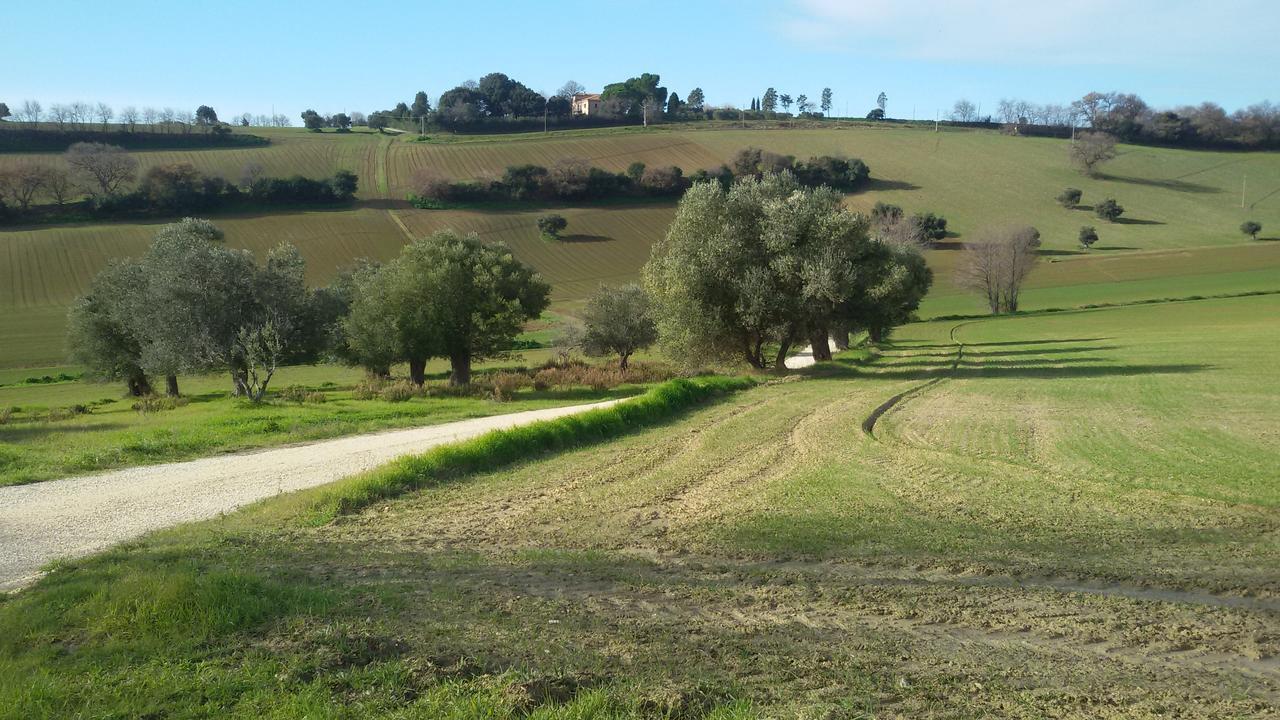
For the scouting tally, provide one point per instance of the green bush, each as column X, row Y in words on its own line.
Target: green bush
column 1070, row 197
column 1108, row 210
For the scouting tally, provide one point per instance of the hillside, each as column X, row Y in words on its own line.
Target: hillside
column 1178, row 236
column 1071, row 519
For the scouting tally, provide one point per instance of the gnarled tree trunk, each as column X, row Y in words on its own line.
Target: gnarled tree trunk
column 460, row 366
column 417, row 371
column 138, row 384
column 171, row 385
column 821, row 346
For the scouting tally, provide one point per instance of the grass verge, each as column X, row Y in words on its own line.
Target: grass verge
column 503, row 447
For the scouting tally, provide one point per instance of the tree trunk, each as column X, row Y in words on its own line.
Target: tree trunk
column 622, row 362
column 821, row 347
column 138, row 384
column 460, row 365
column 239, row 381
column 171, row 385
column 840, row 336
column 417, row 371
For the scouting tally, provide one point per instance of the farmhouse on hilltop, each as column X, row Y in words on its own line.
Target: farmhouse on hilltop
column 586, row 104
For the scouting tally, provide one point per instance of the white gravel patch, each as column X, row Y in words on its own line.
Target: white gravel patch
column 46, row 521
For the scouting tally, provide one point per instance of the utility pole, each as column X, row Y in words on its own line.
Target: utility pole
column 546, row 103
column 1243, row 179
column 937, row 117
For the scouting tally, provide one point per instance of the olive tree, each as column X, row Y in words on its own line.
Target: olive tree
column 1088, row 236
column 618, row 321
column 101, row 333
column 1108, row 210
column 1251, row 228
column 445, row 296
column 750, row 271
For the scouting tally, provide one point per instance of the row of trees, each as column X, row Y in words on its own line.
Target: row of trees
column 750, row 271
column 84, row 116
column 577, row 179
column 771, row 99
column 192, row 304
column 1129, row 118
column 497, row 97
column 105, row 175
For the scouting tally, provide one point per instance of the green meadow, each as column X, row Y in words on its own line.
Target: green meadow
column 1068, row 514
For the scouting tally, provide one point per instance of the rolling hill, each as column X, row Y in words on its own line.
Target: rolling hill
column 1178, row 236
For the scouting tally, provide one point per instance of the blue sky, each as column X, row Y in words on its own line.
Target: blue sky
column 248, row 56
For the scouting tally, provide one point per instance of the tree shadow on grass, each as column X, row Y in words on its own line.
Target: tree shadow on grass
column 39, row 429
column 576, row 238
column 1114, row 247
column 1167, row 184
column 1017, row 369
column 910, row 345
column 1135, row 221
column 880, row 185
column 1054, row 253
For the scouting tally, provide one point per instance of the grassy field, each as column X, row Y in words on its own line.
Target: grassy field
column 1183, row 208
column 43, row 436
column 1068, row 515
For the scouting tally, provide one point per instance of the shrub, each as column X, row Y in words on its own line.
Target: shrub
column 550, row 226
column 400, row 391
column 663, row 180
column 1251, row 228
column 1070, row 197
column 6, row 415
column 505, row 384
column 931, row 228
column 294, row 393
column 369, row 388
column 1108, row 210
column 1088, row 236
column 156, row 403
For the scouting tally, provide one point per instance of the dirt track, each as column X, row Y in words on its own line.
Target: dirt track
column 69, row 518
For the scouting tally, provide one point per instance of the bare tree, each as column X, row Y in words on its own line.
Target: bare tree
column 997, row 264
column 104, row 114
column 149, row 116
column 167, row 117
column 81, row 113
column 129, row 117
column 31, row 113
column 103, row 168
column 964, row 111
column 58, row 185
column 59, row 114
column 21, row 182
column 571, row 88
column 1090, row 150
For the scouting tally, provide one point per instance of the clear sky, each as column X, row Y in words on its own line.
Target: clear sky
column 241, row 56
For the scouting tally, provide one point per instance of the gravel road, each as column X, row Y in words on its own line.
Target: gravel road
column 42, row 522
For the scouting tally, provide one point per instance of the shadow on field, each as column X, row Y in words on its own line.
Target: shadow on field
column 40, row 429
column 910, row 345
column 1054, row 253
column 1171, row 184
column 1135, row 221
column 1114, row 247
column 585, row 238
column 879, row 184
